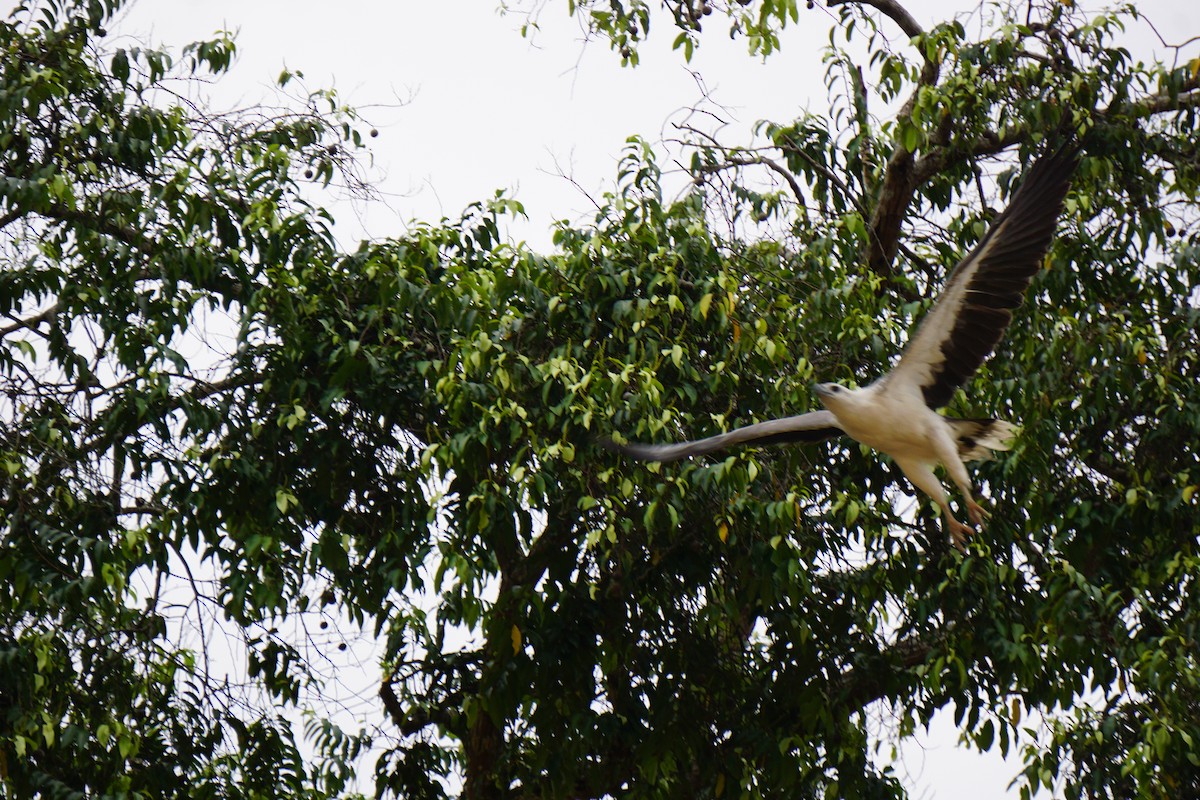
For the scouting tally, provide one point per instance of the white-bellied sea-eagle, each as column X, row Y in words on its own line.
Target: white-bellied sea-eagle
column 897, row 413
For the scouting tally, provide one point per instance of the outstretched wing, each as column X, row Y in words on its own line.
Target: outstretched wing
column 811, row 427
column 968, row 319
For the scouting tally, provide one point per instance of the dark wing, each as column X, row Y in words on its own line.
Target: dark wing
column 968, row 319
column 811, row 427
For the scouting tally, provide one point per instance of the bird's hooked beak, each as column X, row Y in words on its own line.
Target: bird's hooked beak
column 821, row 390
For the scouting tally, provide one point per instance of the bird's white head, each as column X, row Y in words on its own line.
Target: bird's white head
column 836, row 397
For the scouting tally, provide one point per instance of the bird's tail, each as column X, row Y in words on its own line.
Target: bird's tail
column 977, row 438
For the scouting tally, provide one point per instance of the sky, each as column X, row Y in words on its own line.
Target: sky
column 465, row 106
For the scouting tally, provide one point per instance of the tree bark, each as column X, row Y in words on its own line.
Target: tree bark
column 481, row 756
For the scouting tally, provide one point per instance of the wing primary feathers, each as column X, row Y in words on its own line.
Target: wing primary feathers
column 814, row 426
column 975, row 307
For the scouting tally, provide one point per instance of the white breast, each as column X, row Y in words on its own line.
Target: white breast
column 891, row 422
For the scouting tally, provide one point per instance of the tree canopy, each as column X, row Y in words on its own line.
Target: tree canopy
column 214, row 421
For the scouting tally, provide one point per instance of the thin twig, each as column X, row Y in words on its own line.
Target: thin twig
column 749, row 161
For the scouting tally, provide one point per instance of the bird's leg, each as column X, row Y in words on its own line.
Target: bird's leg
column 948, row 453
column 959, row 533
column 923, row 478
column 976, row 512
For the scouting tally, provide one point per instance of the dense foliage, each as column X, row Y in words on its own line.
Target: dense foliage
column 211, row 416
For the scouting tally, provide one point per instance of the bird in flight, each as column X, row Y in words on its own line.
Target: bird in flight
column 897, row 413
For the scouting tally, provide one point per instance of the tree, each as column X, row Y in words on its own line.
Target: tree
column 405, row 436
column 129, row 217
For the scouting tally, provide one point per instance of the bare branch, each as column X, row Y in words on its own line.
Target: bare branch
column 937, row 159
column 31, row 322
column 142, row 508
column 866, row 156
column 749, row 161
column 892, row 10
column 1163, row 104
column 204, row 389
column 895, row 194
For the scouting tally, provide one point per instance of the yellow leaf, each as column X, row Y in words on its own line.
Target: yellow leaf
column 737, row 332
column 1141, row 357
column 723, row 532
column 1189, row 492
column 1016, row 711
column 719, row 789
column 516, row 639
column 1195, row 65
column 1068, row 3
column 705, row 302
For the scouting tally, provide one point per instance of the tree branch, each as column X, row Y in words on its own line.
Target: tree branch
column 204, row 389
column 899, row 181
column 31, row 322
column 873, row 677
column 128, row 235
column 993, row 142
column 11, row 217
column 1162, row 103
column 892, row 10
column 988, row 144
column 750, row 161
column 862, row 685
column 416, row 720
column 142, row 508
column 866, row 156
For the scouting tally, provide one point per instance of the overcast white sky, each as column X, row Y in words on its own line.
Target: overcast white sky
column 465, row 106
column 484, row 109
